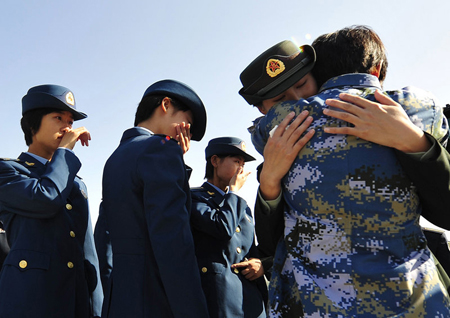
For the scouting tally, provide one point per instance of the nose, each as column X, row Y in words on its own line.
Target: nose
column 66, row 125
column 292, row 94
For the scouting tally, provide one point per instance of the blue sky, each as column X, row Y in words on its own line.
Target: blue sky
column 109, row 52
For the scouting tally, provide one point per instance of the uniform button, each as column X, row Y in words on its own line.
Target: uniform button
column 70, row 264
column 238, row 250
column 238, row 229
column 23, row 264
column 236, row 271
column 72, row 233
column 68, row 206
column 204, row 269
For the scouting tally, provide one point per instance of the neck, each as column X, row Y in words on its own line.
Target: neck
column 41, row 152
column 219, row 183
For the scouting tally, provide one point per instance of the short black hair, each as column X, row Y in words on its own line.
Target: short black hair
column 149, row 103
column 31, row 122
column 355, row 49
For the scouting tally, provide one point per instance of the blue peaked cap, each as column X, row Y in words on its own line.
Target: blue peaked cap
column 185, row 95
column 227, row 146
column 51, row 96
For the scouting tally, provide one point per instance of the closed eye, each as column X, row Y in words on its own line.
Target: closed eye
column 279, row 99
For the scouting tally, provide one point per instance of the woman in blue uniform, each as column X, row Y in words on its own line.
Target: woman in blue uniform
column 50, row 270
column 223, row 233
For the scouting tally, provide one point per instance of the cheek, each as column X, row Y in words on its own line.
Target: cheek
column 312, row 90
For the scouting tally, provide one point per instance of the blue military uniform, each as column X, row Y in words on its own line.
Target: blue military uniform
column 146, row 210
column 51, row 269
column 224, row 235
column 44, row 210
column 147, row 213
column 223, row 230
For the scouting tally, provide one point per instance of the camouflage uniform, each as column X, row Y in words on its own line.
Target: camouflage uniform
column 352, row 243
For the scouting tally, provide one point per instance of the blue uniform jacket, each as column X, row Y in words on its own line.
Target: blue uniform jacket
column 146, row 205
column 224, row 235
column 50, row 270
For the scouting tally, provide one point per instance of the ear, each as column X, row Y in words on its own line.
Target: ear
column 214, row 161
column 261, row 109
column 375, row 70
column 165, row 104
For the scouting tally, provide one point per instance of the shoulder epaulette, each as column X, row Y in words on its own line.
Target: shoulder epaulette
column 9, row 159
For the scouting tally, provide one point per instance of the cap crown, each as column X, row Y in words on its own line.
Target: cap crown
column 275, row 70
column 227, row 146
column 186, row 95
column 51, row 96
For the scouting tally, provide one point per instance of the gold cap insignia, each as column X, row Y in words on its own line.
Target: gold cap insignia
column 274, row 67
column 29, row 163
column 243, row 146
column 210, row 193
column 70, row 99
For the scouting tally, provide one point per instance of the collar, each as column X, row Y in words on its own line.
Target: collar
column 216, row 188
column 145, row 130
column 135, row 132
column 355, row 80
column 38, row 158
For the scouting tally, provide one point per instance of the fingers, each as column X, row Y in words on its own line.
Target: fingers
column 298, row 127
column 291, row 136
column 282, row 126
column 71, row 136
column 184, row 136
column 84, row 138
column 253, row 268
column 241, row 264
column 384, row 99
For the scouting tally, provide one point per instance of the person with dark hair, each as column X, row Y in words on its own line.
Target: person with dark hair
column 296, row 66
column 356, row 50
column 51, row 269
column 222, row 226
column 351, row 217
column 146, row 209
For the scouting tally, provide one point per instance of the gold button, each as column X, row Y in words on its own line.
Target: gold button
column 236, row 271
column 72, row 233
column 204, row 269
column 70, row 265
column 238, row 250
column 23, row 264
column 68, row 206
column 238, row 229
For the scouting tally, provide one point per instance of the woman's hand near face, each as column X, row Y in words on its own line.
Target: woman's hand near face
column 184, row 136
column 71, row 136
column 238, row 180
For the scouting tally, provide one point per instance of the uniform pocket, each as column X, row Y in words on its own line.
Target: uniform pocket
column 211, row 268
column 25, row 260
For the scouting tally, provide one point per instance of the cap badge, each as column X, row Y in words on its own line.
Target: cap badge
column 69, row 99
column 274, row 67
column 29, row 163
column 243, row 146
